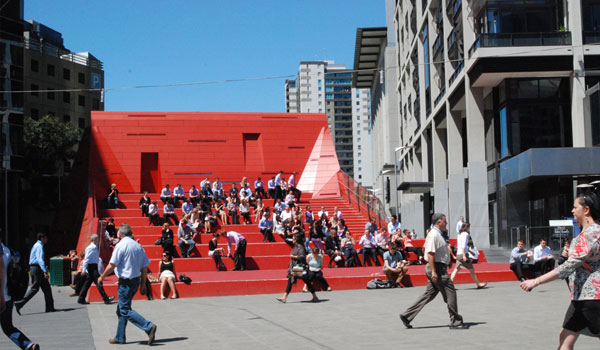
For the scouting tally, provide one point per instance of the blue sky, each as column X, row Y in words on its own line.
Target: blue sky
column 160, row 42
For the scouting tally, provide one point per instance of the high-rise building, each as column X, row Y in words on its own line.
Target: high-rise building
column 11, row 116
column 50, row 66
column 325, row 87
column 489, row 110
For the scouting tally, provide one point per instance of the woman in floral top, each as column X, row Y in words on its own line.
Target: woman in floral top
column 582, row 268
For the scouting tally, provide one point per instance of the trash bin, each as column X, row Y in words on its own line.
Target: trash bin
column 60, row 271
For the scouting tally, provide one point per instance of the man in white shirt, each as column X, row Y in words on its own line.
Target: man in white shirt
column 368, row 248
column 321, row 212
column 287, row 214
column 436, row 250
column 459, row 224
column 239, row 242
column 153, row 214
column 217, row 188
column 271, row 185
column 166, row 195
column 178, row 195
column 394, row 226
column 542, row 258
column 130, row 264
column 278, row 189
column 90, row 266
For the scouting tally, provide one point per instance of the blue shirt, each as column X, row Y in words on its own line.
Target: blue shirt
column 36, row 257
column 187, row 207
column 258, row 184
column 265, row 223
column 246, row 192
column 129, row 258
column 92, row 256
column 393, row 260
column 271, row 183
column 179, row 191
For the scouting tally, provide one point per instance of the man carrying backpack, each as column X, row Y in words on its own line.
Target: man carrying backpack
column 6, row 306
column 39, row 276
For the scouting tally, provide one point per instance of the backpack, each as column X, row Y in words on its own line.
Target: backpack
column 378, row 283
column 17, row 277
column 185, row 279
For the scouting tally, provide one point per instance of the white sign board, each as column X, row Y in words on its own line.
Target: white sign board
column 555, row 223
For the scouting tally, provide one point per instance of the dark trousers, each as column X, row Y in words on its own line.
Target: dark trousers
column 543, row 266
column 297, row 193
column 317, row 276
column 239, row 257
column 351, row 258
column 79, row 281
column 271, row 193
column 173, row 217
column 144, row 210
column 246, row 217
column 444, row 286
column 260, row 192
column 154, row 220
column 278, row 193
column 9, row 329
column 268, row 233
column 416, row 250
column 92, row 277
column 218, row 260
column 292, row 280
column 369, row 253
column 380, row 251
column 234, row 217
column 37, row 281
column 176, row 200
column 517, row 268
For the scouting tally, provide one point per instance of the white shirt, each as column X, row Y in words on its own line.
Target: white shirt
column 153, row 209
column 392, row 228
column 6, row 256
column 92, row 255
column 233, row 238
column 539, row 252
column 129, row 258
column 278, row 180
column 368, row 242
column 286, row 215
column 435, row 243
column 320, row 213
column 462, row 242
column 459, row 226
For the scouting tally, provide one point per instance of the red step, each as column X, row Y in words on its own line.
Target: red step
column 206, row 284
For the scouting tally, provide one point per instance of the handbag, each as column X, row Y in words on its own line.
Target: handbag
column 298, row 270
column 158, row 241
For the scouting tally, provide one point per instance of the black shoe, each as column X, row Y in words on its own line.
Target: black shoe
column 18, row 308
column 80, row 302
column 460, row 326
column 52, row 310
column 109, row 300
column 235, row 269
column 405, row 321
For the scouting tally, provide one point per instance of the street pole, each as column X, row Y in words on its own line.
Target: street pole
column 396, row 177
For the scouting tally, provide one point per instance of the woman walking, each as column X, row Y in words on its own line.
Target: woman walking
column 582, row 268
column 315, row 270
column 297, row 269
column 462, row 255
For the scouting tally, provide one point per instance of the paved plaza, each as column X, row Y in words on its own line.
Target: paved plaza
column 501, row 317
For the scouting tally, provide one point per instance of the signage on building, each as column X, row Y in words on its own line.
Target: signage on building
column 96, row 81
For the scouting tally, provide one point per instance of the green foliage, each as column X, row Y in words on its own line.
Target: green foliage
column 48, row 141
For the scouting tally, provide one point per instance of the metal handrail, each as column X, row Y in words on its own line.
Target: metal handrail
column 520, row 39
column 52, row 50
column 362, row 199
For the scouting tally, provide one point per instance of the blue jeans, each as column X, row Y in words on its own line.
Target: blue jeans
column 191, row 244
column 7, row 327
column 127, row 289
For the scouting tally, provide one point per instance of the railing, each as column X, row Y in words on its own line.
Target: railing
column 362, row 199
column 63, row 54
column 440, row 96
column 521, row 39
column 532, row 235
column 457, row 71
column 591, row 37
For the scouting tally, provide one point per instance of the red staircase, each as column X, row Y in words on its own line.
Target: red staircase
column 266, row 262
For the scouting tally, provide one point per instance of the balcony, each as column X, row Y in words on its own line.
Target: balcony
column 521, row 39
column 457, row 71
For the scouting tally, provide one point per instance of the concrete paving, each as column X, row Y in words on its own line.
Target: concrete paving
column 501, row 317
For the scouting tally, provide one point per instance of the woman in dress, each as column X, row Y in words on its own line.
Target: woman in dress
column 167, row 276
column 144, row 204
column 582, row 268
column 220, row 211
column 166, row 239
column 315, row 270
column 298, row 260
column 258, row 211
column 216, row 253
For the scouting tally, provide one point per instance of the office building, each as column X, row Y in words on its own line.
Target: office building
column 325, row 87
column 490, row 112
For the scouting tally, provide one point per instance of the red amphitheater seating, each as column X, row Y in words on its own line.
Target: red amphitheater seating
column 143, row 151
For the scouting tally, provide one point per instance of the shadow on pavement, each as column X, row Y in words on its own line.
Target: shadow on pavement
column 160, row 341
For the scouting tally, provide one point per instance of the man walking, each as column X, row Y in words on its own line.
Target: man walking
column 39, row 276
column 130, row 264
column 436, row 250
column 90, row 265
column 6, row 306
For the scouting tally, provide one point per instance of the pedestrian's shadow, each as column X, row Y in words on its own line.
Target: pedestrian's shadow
column 56, row 310
column 315, row 302
column 470, row 324
column 160, row 342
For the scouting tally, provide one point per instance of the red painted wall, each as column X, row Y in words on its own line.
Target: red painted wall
column 191, row 146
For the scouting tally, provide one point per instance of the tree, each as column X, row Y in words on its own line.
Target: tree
column 48, row 142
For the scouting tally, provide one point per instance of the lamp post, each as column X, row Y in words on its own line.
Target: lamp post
column 396, row 150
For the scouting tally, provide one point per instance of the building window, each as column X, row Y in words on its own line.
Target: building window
column 35, row 66
column 35, row 114
column 50, row 114
column 358, row 140
column 82, row 100
column 50, row 70
column 96, row 104
column 66, row 74
column 66, row 97
column 66, row 118
column 359, row 149
column 82, row 123
column 359, row 176
column 50, row 94
column 81, row 78
column 34, row 89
